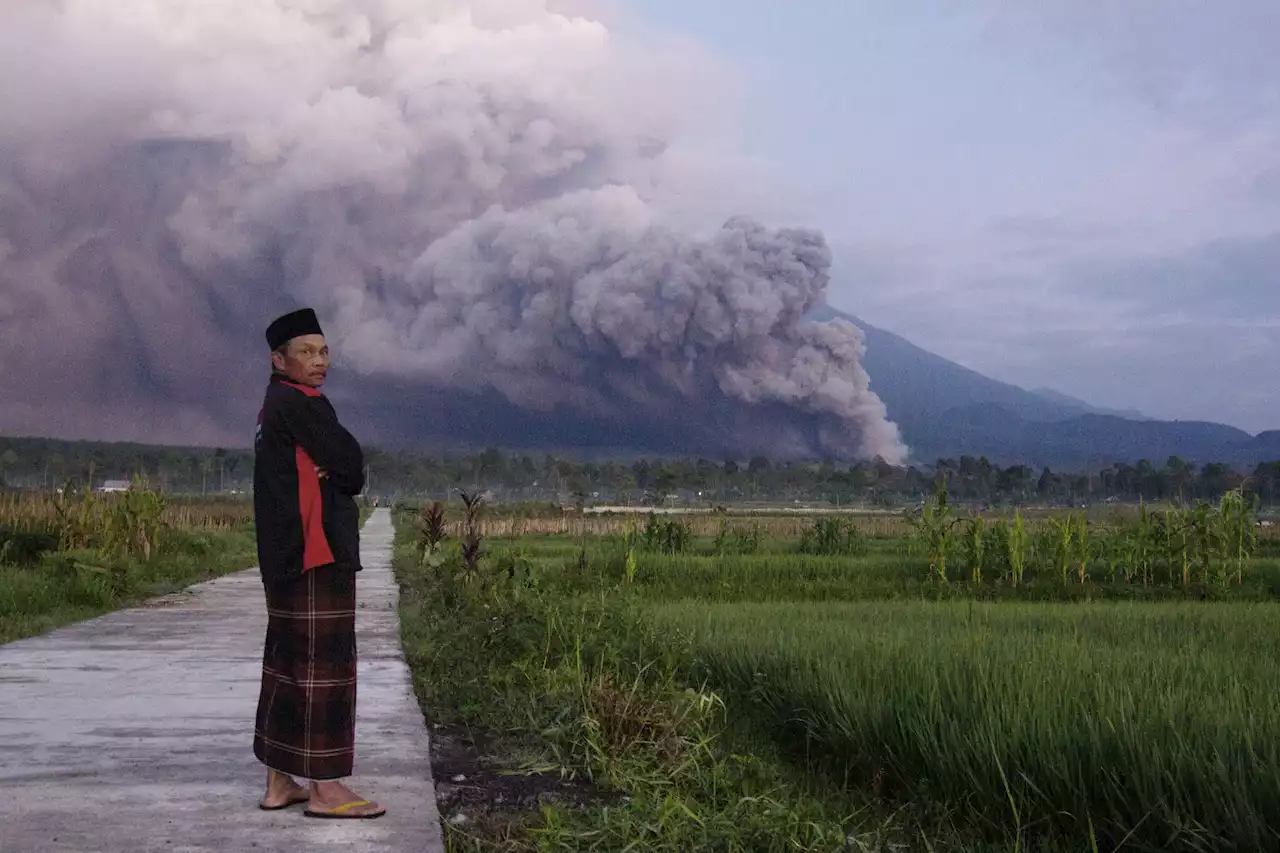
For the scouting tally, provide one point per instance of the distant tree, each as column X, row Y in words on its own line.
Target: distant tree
column 492, row 464
column 1015, row 481
column 220, row 456
column 8, row 461
column 625, row 481
column 1181, row 477
column 1215, row 479
column 665, row 479
column 578, row 489
column 1046, row 486
column 1266, row 481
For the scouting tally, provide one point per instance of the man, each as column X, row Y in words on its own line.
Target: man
column 307, row 470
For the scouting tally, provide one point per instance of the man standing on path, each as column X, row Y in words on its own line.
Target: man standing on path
column 307, row 471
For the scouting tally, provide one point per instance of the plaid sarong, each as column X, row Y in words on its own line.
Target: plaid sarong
column 307, row 707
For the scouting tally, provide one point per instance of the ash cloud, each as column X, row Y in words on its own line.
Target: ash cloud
column 476, row 196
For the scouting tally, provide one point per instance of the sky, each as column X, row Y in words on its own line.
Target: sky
column 1076, row 195
column 625, row 215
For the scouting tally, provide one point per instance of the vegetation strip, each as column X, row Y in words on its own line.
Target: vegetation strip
column 1154, row 722
column 654, row 676
column 76, row 555
column 42, row 463
column 931, row 681
column 534, row 674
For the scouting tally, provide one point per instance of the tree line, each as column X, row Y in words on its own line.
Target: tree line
column 48, row 463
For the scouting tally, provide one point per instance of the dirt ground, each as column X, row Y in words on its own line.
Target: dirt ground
column 482, row 790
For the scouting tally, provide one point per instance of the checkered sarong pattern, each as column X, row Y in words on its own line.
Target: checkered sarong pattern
column 306, row 715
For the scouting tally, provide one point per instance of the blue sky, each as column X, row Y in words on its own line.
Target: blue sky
column 1080, row 195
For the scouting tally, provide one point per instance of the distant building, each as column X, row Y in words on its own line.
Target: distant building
column 114, row 486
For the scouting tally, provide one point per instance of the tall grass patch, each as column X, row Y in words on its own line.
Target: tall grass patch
column 1155, row 725
column 76, row 554
column 555, row 666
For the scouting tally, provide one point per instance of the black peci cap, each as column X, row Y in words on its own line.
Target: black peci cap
column 292, row 325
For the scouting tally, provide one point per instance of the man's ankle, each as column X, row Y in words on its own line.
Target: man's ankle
column 329, row 787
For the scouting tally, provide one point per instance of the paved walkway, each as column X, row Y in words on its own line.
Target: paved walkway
column 133, row 732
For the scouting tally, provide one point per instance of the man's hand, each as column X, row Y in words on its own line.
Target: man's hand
column 320, row 471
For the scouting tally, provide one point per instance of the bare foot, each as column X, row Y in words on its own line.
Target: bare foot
column 334, row 799
column 282, row 792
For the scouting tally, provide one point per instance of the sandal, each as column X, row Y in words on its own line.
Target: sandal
column 339, row 812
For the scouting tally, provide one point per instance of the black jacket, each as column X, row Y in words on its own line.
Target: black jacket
column 304, row 521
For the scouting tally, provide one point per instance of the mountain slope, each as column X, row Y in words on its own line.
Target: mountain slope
column 1083, row 408
column 946, row 410
column 915, row 383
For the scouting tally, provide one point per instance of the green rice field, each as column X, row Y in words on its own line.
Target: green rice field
column 1072, row 687
column 1161, row 718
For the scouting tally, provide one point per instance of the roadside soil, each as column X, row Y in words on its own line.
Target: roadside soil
column 483, row 791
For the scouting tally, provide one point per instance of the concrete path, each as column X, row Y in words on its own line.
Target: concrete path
column 133, row 732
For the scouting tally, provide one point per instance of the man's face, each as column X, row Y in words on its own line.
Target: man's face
column 305, row 360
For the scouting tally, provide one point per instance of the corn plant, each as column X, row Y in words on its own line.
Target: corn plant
column 721, row 544
column 976, row 548
column 1201, row 535
column 995, row 550
column 431, row 535
column 123, row 525
column 831, row 537
column 471, row 539
column 1115, row 551
column 1239, row 530
column 630, row 566
column 747, row 539
column 1082, row 549
column 670, row 536
column 1170, row 554
column 1063, row 542
column 934, row 523
column 1017, row 545
column 1142, row 541
column 77, row 519
column 134, row 522
column 629, row 546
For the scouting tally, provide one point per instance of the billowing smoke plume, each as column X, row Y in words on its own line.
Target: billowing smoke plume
column 479, row 198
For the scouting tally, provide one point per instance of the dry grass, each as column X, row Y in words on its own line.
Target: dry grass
column 706, row 525
column 575, row 526
column 32, row 512
column 69, row 557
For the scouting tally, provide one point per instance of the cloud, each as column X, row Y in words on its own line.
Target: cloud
column 1190, row 335
column 483, row 200
column 1215, row 62
column 1136, row 262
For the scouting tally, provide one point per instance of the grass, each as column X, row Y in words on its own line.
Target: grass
column 571, row 686
column 39, row 511
column 901, row 575
column 746, row 695
column 64, row 558
column 62, row 587
column 1156, row 724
